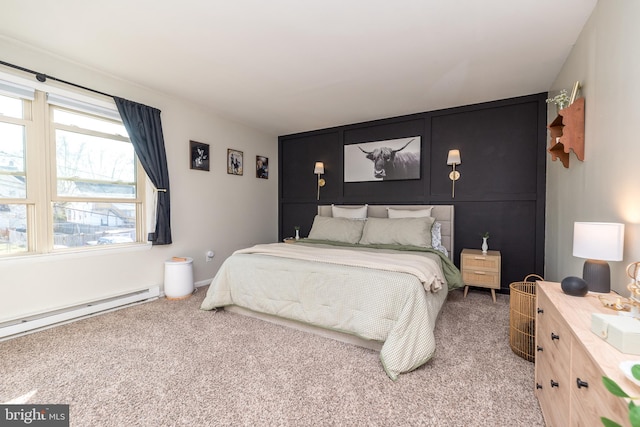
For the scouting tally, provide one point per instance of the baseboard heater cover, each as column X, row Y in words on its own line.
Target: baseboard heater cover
column 32, row 324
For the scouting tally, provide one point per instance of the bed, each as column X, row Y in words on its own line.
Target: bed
column 375, row 276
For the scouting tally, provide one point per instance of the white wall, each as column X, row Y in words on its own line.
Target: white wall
column 209, row 210
column 606, row 186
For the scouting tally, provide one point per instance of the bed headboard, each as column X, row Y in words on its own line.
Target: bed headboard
column 442, row 213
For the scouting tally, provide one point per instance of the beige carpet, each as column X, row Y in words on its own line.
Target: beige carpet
column 167, row 363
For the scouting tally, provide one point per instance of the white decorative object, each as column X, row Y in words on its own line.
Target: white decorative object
column 626, row 369
column 297, row 234
column 561, row 100
column 178, row 278
column 622, row 332
column 485, row 245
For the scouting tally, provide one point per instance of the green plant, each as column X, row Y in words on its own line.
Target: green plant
column 485, row 235
column 561, row 99
column 616, row 390
column 296, row 227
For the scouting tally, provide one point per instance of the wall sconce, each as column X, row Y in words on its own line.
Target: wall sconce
column 319, row 170
column 453, row 159
column 599, row 242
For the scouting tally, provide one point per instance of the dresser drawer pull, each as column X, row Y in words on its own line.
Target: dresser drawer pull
column 480, row 258
column 538, row 386
column 539, row 348
column 581, row 383
column 554, row 337
column 481, row 273
column 554, row 384
column 540, row 311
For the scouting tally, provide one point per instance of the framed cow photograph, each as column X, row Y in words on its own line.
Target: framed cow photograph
column 388, row 160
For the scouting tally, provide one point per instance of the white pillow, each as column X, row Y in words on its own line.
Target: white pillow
column 343, row 212
column 398, row 231
column 344, row 230
column 436, row 238
column 409, row 213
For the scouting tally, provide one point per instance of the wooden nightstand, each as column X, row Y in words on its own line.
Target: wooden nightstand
column 289, row 240
column 481, row 270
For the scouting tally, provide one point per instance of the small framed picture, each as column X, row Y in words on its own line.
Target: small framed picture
column 234, row 162
column 262, row 167
column 199, row 155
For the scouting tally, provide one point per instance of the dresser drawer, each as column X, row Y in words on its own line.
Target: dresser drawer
column 591, row 400
column 553, row 390
column 553, row 363
column 486, row 279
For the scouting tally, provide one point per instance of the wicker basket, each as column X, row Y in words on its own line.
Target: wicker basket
column 522, row 318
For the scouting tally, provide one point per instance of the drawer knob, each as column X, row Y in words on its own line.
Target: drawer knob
column 539, row 348
column 581, row 383
column 538, row 386
column 554, row 384
column 555, row 337
column 540, row 311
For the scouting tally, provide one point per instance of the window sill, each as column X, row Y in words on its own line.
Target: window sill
column 75, row 253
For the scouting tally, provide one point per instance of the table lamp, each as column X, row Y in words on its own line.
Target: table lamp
column 598, row 242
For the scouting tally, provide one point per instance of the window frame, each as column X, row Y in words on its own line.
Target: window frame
column 41, row 173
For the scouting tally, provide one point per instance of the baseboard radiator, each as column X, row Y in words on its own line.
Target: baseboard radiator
column 23, row 326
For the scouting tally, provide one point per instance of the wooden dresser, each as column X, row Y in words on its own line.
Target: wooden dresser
column 571, row 360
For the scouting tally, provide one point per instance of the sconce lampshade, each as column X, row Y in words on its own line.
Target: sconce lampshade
column 319, row 168
column 454, row 157
column 598, row 242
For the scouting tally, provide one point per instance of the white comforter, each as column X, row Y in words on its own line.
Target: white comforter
column 378, row 296
column 425, row 268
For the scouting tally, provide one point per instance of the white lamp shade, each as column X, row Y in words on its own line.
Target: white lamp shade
column 319, row 168
column 602, row 241
column 454, row 157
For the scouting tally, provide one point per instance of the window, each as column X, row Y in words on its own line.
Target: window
column 69, row 176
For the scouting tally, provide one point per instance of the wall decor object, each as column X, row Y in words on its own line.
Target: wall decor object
column 567, row 133
column 234, row 162
column 388, row 160
column 574, row 92
column 199, row 155
column 318, row 169
column 262, row 167
column 453, row 159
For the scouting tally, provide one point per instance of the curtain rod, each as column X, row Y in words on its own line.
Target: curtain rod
column 41, row 77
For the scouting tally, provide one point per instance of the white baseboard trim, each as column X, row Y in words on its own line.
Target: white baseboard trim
column 13, row 329
column 202, row 283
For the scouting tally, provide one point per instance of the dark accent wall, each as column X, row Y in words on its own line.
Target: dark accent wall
column 501, row 189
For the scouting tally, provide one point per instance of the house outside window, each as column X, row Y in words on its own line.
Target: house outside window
column 69, row 176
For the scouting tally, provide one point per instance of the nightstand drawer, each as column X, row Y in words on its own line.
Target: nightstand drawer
column 481, row 262
column 481, row 278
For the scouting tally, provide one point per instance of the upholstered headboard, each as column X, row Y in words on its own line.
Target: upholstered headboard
column 442, row 213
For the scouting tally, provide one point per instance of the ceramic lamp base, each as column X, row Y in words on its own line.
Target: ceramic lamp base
column 597, row 274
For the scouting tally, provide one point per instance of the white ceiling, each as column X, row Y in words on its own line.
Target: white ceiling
column 285, row 66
